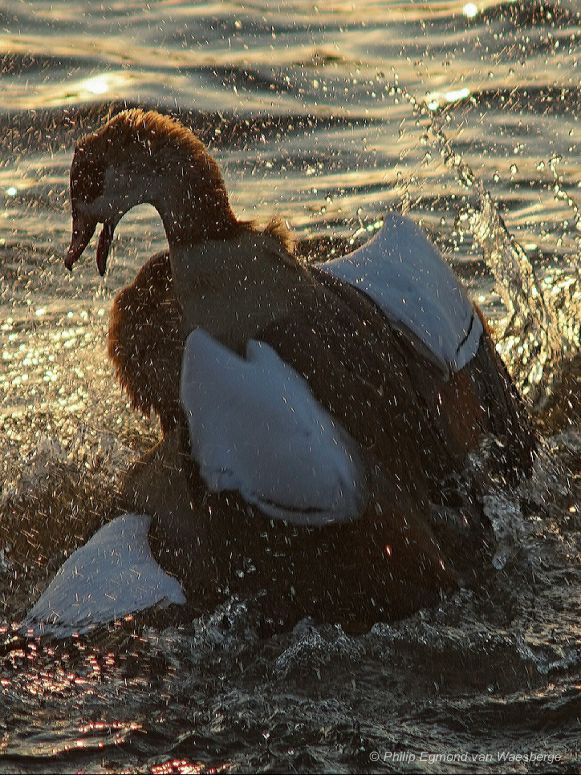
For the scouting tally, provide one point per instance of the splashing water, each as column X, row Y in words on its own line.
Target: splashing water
column 541, row 330
column 531, row 341
column 322, row 119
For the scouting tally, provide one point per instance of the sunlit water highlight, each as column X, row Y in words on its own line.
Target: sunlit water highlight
column 463, row 114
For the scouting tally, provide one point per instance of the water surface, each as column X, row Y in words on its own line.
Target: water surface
column 466, row 115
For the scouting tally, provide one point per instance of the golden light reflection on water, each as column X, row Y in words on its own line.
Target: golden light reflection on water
column 110, row 84
column 100, row 84
column 437, row 100
column 470, row 10
column 68, row 435
column 186, row 767
column 35, row 356
column 67, row 429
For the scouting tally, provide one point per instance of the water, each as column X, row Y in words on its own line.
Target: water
column 466, row 115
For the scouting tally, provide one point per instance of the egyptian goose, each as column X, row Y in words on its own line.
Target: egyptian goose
column 313, row 416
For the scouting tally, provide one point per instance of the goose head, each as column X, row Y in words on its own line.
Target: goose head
column 144, row 157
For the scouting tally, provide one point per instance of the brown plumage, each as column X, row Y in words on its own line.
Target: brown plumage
column 396, row 558
column 145, row 342
column 413, row 425
column 146, row 346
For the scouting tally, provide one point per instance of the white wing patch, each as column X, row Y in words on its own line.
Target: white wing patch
column 111, row 576
column 256, row 428
column 408, row 279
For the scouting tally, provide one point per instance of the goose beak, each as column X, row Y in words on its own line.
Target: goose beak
column 83, row 230
column 105, row 240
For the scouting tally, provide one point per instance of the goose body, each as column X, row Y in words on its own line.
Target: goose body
column 310, row 414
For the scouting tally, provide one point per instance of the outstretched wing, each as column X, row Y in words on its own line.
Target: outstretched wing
column 256, row 428
column 109, row 577
column 408, row 279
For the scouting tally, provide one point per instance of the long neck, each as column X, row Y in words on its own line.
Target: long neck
column 228, row 278
column 190, row 196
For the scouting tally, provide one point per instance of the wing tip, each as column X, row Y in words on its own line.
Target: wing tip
column 94, row 586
